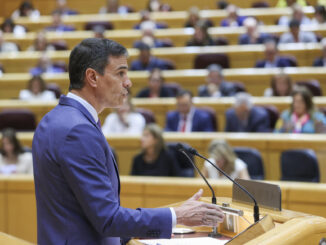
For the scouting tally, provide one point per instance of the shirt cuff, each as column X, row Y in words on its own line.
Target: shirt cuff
column 174, row 218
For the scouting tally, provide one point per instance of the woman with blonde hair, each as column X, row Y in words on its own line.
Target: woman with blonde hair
column 154, row 158
column 223, row 156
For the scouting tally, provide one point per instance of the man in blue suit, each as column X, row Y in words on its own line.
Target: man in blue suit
column 77, row 182
column 272, row 59
column 187, row 118
column 245, row 117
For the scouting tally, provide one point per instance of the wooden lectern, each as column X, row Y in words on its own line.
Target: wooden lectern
column 286, row 227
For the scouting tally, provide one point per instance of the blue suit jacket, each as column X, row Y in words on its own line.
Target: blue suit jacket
column 280, row 62
column 201, row 121
column 154, row 62
column 77, row 184
column 319, row 62
column 258, row 121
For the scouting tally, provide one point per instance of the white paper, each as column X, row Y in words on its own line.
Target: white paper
column 185, row 241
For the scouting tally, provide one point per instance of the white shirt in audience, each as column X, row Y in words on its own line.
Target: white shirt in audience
column 24, row 164
column 113, row 124
column 239, row 166
column 8, row 47
column 44, row 96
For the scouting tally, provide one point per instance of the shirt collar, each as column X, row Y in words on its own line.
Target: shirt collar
column 87, row 105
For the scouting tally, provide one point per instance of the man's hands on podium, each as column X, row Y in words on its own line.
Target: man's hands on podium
column 196, row 213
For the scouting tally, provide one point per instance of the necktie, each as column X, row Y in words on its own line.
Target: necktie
column 184, row 124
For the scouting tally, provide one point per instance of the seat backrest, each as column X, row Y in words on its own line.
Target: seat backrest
column 253, row 159
column 105, row 24
column 312, row 85
column 204, row 60
column 18, row 119
column 212, row 115
column 273, row 114
column 185, row 167
column 239, row 86
column 299, row 165
column 147, row 114
column 60, row 45
column 292, row 60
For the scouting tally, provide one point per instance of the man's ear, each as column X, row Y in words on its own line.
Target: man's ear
column 91, row 77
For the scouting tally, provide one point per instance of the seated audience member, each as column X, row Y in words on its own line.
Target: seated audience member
column 158, row 6
column 146, row 19
column 188, row 118
column 57, row 23
column 288, row 3
column 9, row 26
column 124, row 120
column 223, row 156
column 320, row 15
column 302, row 117
column 252, row 35
column 63, row 9
column 13, row 159
column 201, row 36
column 41, row 43
column 113, row 6
column 149, row 38
column 194, row 17
column 154, row 159
column 36, row 90
column 45, row 65
column 272, row 58
column 233, row 19
column 156, row 88
column 216, row 86
column 297, row 14
column 321, row 61
column 281, row 85
column 245, row 117
column 295, row 35
column 26, row 9
column 146, row 61
column 99, row 31
column 7, row 46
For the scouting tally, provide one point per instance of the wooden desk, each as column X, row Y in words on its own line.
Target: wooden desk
column 179, row 36
column 270, row 146
column 175, row 19
column 240, row 56
column 162, row 105
column 255, row 80
column 148, row 192
column 83, row 6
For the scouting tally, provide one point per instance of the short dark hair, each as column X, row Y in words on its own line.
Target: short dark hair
column 91, row 53
column 143, row 46
column 294, row 23
column 182, row 93
column 307, row 98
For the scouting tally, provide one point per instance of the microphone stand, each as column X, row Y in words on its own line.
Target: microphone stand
column 214, row 233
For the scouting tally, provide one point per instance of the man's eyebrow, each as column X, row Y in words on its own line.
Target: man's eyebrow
column 122, row 68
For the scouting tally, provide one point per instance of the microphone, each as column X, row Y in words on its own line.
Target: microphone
column 194, row 152
column 182, row 149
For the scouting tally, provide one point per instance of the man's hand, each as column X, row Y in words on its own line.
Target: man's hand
column 195, row 213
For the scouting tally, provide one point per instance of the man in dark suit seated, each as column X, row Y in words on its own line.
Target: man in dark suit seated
column 272, row 59
column 156, row 88
column 148, row 62
column 245, row 117
column 187, row 118
column 252, row 36
column 57, row 23
column 321, row 61
column 216, row 85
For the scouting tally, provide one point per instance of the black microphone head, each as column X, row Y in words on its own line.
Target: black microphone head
column 183, row 147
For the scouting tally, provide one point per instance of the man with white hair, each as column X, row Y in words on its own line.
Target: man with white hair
column 253, row 35
column 245, row 117
column 321, row 61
